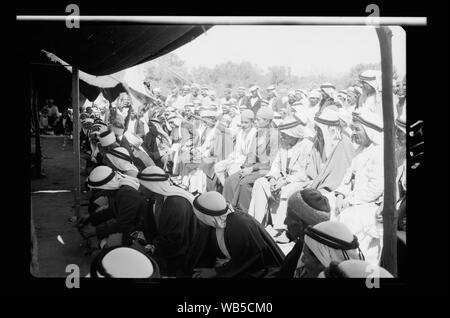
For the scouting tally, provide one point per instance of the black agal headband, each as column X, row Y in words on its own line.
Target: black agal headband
column 206, row 211
column 120, row 155
column 101, row 182
column 152, row 176
column 358, row 118
column 327, row 122
column 331, row 241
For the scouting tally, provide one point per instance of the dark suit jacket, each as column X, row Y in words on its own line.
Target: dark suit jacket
column 150, row 145
column 255, row 107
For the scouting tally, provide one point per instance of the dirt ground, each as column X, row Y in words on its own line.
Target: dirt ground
column 53, row 210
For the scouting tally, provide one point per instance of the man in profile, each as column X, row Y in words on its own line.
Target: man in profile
column 371, row 89
column 275, row 102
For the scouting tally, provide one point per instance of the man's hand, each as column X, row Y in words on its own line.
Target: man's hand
column 307, row 184
column 339, row 200
column 273, row 184
column 204, row 273
column 83, row 219
column 341, row 204
column 102, row 200
column 88, row 231
column 246, row 171
column 135, row 245
column 280, row 183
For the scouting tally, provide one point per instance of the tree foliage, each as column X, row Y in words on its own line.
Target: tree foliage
column 169, row 71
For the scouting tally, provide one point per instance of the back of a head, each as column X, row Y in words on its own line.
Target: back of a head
column 355, row 269
column 123, row 262
column 310, row 206
column 336, row 230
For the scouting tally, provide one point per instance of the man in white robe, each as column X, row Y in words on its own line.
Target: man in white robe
column 286, row 176
column 195, row 178
column 361, row 190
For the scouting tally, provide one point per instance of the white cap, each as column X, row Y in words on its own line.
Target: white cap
column 212, row 201
column 99, row 173
column 362, row 269
column 125, row 262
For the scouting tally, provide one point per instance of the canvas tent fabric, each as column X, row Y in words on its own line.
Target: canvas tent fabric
column 96, row 49
column 99, row 49
column 109, row 86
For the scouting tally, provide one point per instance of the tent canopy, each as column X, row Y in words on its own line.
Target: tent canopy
column 96, row 49
column 100, row 49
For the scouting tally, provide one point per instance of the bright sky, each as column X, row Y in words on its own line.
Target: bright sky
column 330, row 50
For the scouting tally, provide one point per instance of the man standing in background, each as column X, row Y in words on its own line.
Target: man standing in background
column 53, row 112
column 275, row 102
column 254, row 102
column 241, row 98
column 175, row 100
column 371, row 97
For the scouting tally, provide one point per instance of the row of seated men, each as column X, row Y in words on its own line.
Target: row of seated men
column 202, row 237
column 132, row 196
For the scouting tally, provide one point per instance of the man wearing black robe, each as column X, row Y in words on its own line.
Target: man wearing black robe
column 174, row 218
column 125, row 214
column 177, row 225
column 253, row 252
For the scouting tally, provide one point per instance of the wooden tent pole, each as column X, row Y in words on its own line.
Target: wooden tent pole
column 389, row 255
column 37, row 140
column 34, row 262
column 76, row 138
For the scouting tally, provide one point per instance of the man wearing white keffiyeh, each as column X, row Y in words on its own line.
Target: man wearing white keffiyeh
column 229, row 244
column 126, row 206
column 140, row 157
column 286, row 176
column 324, row 243
column 119, row 159
column 361, row 191
column 175, row 220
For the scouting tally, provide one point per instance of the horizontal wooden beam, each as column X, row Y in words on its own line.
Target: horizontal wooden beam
column 215, row 20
